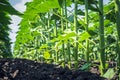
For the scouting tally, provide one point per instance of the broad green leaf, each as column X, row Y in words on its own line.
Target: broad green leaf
column 69, row 35
column 86, row 66
column 61, row 3
column 5, row 19
column 46, row 55
column 44, row 6
column 66, row 36
column 5, row 11
column 109, row 74
column 83, row 36
column 108, row 7
column 106, row 22
column 6, row 7
column 69, row 2
column 109, row 30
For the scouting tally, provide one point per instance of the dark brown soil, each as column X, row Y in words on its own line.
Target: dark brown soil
column 23, row 69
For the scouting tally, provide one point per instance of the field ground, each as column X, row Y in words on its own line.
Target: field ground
column 23, row 69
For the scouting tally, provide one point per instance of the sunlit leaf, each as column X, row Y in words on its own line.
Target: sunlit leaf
column 43, row 46
column 84, row 36
column 109, row 74
column 46, row 55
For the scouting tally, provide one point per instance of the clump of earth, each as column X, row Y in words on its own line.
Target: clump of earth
column 24, row 69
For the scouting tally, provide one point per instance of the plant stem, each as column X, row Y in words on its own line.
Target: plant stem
column 101, row 35
column 66, row 14
column 48, row 20
column 55, row 33
column 62, row 26
column 76, row 31
column 86, row 22
column 68, row 43
column 55, row 29
column 63, row 52
column 69, row 53
column 117, row 11
column 62, row 14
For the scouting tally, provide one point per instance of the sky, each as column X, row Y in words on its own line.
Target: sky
column 18, row 5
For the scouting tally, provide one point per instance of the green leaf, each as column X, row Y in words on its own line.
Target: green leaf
column 108, row 7
column 46, row 55
column 69, row 2
column 71, row 18
column 6, row 7
column 80, row 12
column 70, row 35
column 92, row 29
column 109, row 74
column 109, row 30
column 60, row 3
column 86, row 66
column 43, row 6
column 106, row 22
column 84, row 36
column 44, row 46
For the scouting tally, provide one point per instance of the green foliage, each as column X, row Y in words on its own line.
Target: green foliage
column 5, row 11
column 46, row 55
column 84, row 36
column 51, row 31
column 109, row 74
column 86, row 66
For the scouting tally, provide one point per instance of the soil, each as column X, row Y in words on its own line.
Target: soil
column 23, row 69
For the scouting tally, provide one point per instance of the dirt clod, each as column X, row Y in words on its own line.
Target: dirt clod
column 23, row 69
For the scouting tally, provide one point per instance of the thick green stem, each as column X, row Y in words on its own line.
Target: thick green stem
column 76, row 30
column 48, row 25
column 69, row 53
column 57, row 58
column 68, row 43
column 62, row 26
column 62, row 14
column 66, row 14
column 86, row 22
column 48, row 20
column 101, row 35
column 117, row 11
column 55, row 29
column 55, row 34
column 63, row 52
